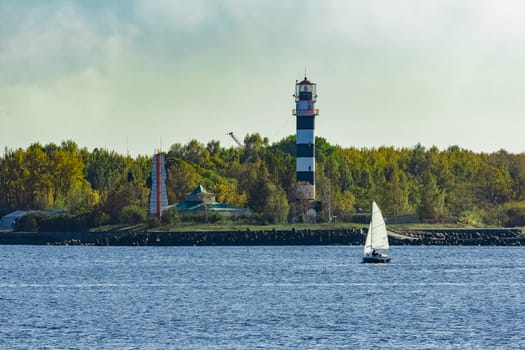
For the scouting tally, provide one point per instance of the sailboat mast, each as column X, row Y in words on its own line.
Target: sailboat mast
column 372, row 228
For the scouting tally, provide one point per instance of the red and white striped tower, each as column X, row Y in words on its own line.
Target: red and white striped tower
column 159, row 195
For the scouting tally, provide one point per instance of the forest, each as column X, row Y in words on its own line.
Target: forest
column 102, row 187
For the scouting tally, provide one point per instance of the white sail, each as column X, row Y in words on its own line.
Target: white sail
column 368, row 242
column 377, row 237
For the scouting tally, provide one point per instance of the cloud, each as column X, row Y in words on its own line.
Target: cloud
column 183, row 15
column 47, row 41
column 196, row 65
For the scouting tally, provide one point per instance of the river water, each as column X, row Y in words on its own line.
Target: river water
column 315, row 297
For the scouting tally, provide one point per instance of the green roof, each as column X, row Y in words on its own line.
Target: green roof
column 202, row 207
column 199, row 189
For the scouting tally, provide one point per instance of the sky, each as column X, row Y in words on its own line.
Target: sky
column 135, row 76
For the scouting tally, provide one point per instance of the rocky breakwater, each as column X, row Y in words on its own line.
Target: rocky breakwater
column 459, row 236
column 351, row 236
column 244, row 237
column 189, row 238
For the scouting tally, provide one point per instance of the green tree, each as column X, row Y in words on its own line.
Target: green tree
column 123, row 195
column 81, row 199
column 227, row 192
column 495, row 185
column 254, row 180
column 432, row 207
column 67, row 175
column 105, row 169
column 133, row 215
column 182, row 177
column 395, row 194
column 276, row 206
column 254, row 145
column 12, row 180
column 37, row 178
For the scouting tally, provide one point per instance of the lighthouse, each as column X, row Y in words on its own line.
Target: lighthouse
column 305, row 98
column 159, row 196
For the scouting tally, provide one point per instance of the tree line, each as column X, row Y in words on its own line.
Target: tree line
column 103, row 187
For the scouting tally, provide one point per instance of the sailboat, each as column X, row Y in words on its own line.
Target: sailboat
column 376, row 239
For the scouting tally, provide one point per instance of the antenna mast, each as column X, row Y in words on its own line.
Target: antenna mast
column 235, row 139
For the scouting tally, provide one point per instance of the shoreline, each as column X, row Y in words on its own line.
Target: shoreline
column 247, row 237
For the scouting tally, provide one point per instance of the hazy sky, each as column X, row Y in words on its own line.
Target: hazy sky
column 126, row 74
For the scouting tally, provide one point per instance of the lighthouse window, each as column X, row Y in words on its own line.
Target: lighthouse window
column 305, row 95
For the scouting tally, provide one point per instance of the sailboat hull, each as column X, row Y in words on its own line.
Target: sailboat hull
column 375, row 260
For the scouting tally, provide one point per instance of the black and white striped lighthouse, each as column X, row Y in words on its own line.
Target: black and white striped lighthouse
column 305, row 98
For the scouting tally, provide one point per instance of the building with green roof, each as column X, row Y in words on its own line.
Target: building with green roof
column 200, row 201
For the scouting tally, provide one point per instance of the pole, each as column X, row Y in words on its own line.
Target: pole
column 158, row 186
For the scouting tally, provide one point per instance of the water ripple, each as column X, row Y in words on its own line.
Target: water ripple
column 260, row 298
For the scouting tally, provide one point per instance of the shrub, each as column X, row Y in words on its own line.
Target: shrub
column 153, row 222
column 515, row 214
column 132, row 215
column 29, row 222
column 63, row 223
column 470, row 218
column 37, row 222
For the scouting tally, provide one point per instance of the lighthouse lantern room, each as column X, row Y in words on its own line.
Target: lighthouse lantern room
column 305, row 111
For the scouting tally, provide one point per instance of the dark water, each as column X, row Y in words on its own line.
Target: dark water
column 260, row 298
